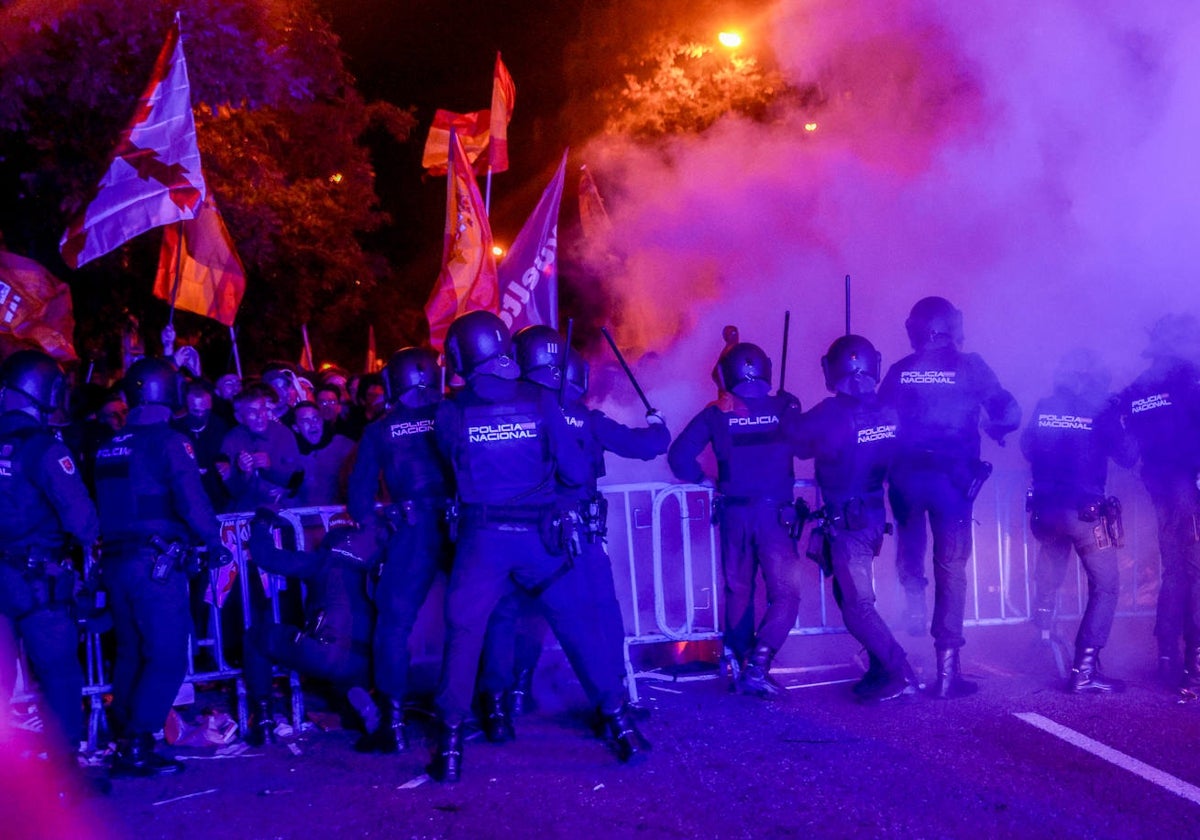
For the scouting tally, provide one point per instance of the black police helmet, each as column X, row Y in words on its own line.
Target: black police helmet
column 578, row 374
column 849, row 361
column 539, row 350
column 934, row 322
column 479, row 342
column 1175, row 336
column 152, row 382
column 409, row 368
column 36, row 375
column 745, row 366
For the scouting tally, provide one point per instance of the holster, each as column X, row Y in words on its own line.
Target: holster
column 169, row 556
column 818, row 549
column 560, row 531
column 593, row 515
column 51, row 581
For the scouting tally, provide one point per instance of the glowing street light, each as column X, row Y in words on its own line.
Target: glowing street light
column 497, row 251
column 732, row 40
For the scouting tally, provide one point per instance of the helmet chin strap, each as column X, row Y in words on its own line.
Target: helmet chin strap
column 855, row 385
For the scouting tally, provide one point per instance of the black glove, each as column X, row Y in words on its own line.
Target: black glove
column 219, row 555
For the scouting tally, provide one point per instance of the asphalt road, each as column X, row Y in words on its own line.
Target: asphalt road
column 813, row 764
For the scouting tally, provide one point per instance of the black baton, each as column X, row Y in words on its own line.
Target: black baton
column 616, row 352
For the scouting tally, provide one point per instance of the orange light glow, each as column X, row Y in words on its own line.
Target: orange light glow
column 497, row 251
column 335, row 178
column 733, row 40
column 810, row 126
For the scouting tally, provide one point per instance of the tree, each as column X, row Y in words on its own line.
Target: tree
column 280, row 128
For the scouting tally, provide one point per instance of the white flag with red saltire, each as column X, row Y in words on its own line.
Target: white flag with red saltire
column 206, row 276
column 473, row 130
column 504, row 98
column 154, row 178
column 468, row 279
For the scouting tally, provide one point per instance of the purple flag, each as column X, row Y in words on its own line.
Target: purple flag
column 529, row 273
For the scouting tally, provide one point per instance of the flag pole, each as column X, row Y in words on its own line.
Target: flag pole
column 178, row 267
column 487, row 196
column 312, row 364
column 237, row 359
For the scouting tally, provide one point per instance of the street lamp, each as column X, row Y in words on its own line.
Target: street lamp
column 729, row 39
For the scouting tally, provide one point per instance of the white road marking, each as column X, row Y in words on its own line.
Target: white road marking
column 663, row 689
column 185, row 796
column 413, row 783
column 817, row 684
column 1125, row 762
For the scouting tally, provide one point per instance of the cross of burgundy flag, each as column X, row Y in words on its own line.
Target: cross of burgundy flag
column 468, row 278
column 154, row 178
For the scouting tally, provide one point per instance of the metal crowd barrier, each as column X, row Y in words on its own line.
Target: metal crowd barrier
column 666, row 565
column 666, row 568
column 307, row 524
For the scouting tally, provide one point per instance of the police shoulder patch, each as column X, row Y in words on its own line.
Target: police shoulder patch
column 68, row 466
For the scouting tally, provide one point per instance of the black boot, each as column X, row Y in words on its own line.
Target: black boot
column 875, row 676
column 627, row 742
column 389, row 736
column 136, row 757
column 497, row 725
column 447, row 759
column 731, row 667
column 520, row 698
column 262, row 724
column 755, row 678
column 950, row 683
column 895, row 685
column 1086, row 676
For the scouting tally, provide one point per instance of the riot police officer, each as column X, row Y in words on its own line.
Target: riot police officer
column 334, row 642
column 755, row 479
column 507, row 442
column 852, row 439
column 1068, row 441
column 938, row 392
column 153, row 509
column 540, row 354
column 401, row 447
column 43, row 505
column 1162, row 411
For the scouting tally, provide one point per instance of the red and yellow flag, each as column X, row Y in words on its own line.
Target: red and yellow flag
column 35, row 306
column 504, row 97
column 154, row 178
column 472, row 129
column 468, row 279
column 205, row 276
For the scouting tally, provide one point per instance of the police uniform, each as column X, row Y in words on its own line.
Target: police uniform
column 1162, row 411
column 513, row 639
column 401, row 446
column 755, row 480
column 150, row 496
column 335, row 641
column 938, row 394
column 508, row 445
column 852, row 439
column 43, row 502
column 1068, row 441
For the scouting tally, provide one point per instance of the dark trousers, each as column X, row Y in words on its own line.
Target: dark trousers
column 852, row 553
column 281, row 644
column 491, row 562
column 516, row 628
column 916, row 496
column 151, row 623
column 754, row 540
column 1058, row 530
column 415, row 555
column 51, row 644
column 1177, row 506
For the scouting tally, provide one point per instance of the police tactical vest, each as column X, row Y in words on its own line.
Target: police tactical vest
column 1066, row 446
column 857, row 467
column 503, row 456
column 754, row 457
column 412, row 466
column 24, row 512
column 132, row 493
